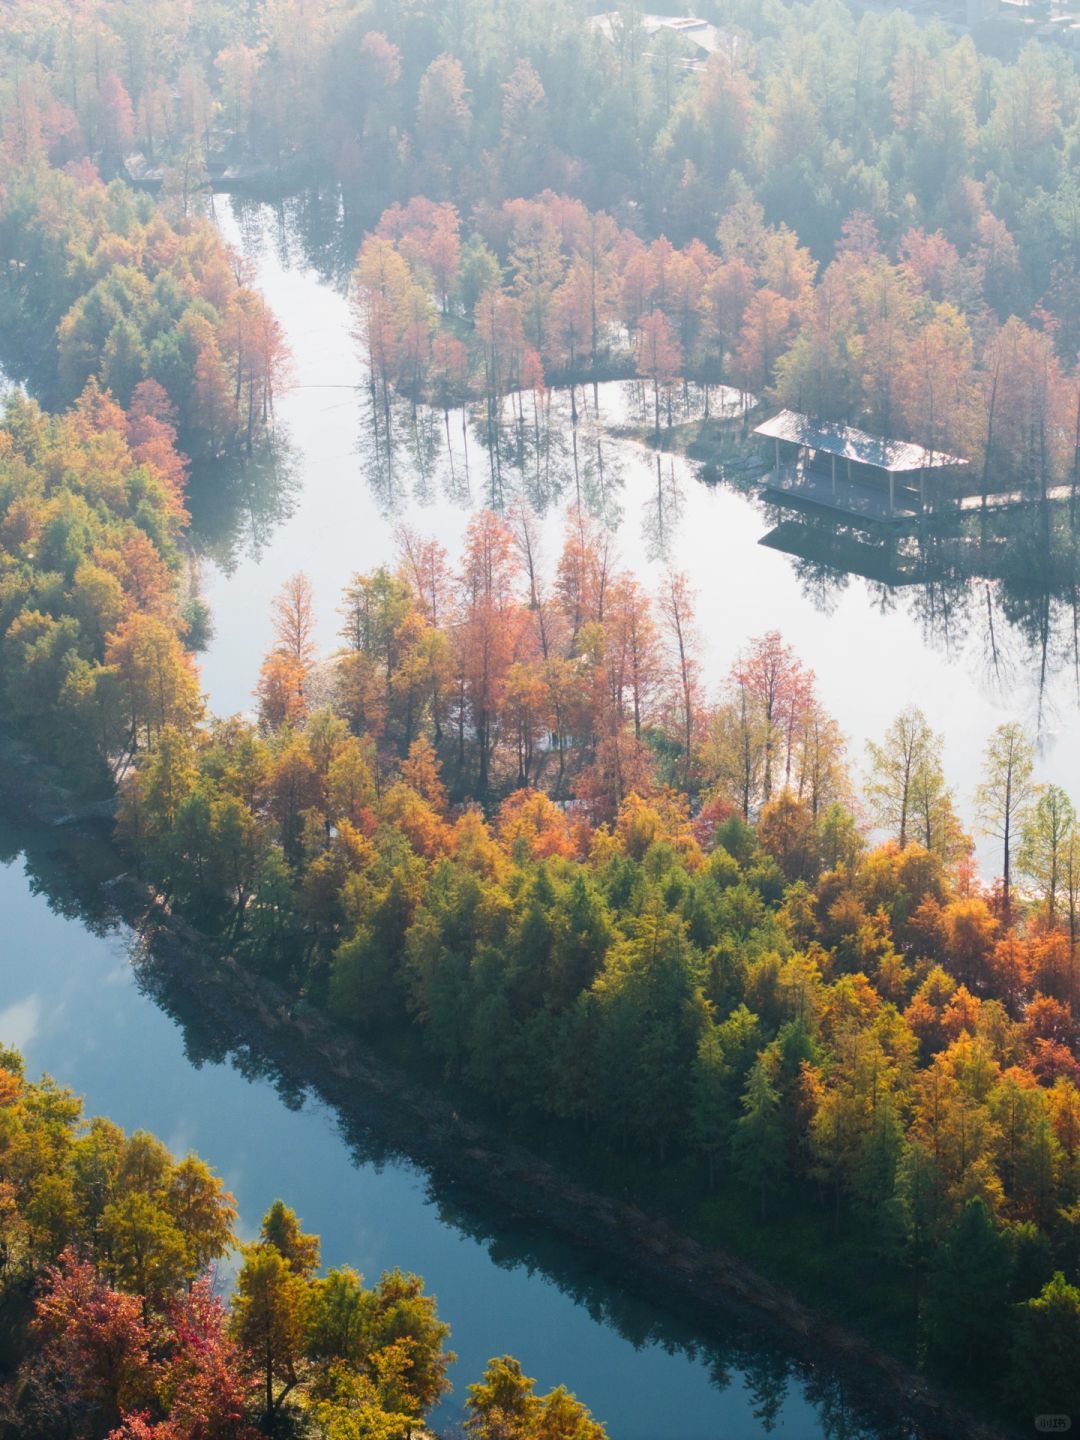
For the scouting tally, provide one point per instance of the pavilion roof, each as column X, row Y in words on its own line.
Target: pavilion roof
column 851, row 444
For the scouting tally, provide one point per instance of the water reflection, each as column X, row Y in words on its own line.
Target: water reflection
column 527, row 447
column 237, row 505
column 1003, row 590
column 1004, row 586
column 314, row 229
column 70, row 868
column 785, row 1388
column 980, row 623
column 663, row 511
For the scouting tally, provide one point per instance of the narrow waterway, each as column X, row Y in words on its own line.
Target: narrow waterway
column 69, row 1000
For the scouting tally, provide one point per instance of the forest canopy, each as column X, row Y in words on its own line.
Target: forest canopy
column 133, row 299
column 509, row 825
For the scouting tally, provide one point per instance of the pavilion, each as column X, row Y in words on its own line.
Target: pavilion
column 840, row 468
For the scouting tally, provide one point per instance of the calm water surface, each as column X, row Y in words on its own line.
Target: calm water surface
column 972, row 653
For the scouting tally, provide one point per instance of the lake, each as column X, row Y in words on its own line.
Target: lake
column 973, row 648
column 972, row 651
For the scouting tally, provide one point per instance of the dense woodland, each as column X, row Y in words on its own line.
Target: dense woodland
column 864, row 1032
column 111, row 1320
column 509, row 819
column 131, row 299
column 893, row 194
column 94, row 663
column 822, row 113
column 662, row 926
column 870, row 221
column 546, row 289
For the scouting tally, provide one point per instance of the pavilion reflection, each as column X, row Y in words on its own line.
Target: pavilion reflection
column 1005, row 583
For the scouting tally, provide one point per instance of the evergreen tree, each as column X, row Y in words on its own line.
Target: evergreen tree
column 758, row 1145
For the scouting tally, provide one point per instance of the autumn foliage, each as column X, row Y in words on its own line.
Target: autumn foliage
column 91, row 512
column 664, row 921
column 114, row 1324
column 157, row 313
column 509, row 816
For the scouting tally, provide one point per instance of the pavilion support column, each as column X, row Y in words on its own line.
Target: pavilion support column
column 892, row 492
column 777, row 444
column 922, row 489
column 834, row 477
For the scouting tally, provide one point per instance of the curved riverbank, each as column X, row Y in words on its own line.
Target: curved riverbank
column 252, row 1018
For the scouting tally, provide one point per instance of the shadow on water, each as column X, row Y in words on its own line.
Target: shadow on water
column 73, row 870
column 70, row 868
column 237, row 505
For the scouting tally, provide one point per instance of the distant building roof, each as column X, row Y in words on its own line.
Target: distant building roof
column 700, row 33
column 852, row 444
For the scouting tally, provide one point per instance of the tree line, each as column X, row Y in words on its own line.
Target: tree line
column 112, row 1321
column 101, row 286
column 545, row 290
column 710, row 969
column 956, row 159
column 818, row 112
column 825, row 249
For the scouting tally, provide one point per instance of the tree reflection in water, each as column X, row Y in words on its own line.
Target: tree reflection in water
column 1004, row 586
column 73, row 870
column 237, row 505
column 314, row 229
column 526, row 448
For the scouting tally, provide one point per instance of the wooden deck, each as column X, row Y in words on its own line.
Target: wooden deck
column 796, row 485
